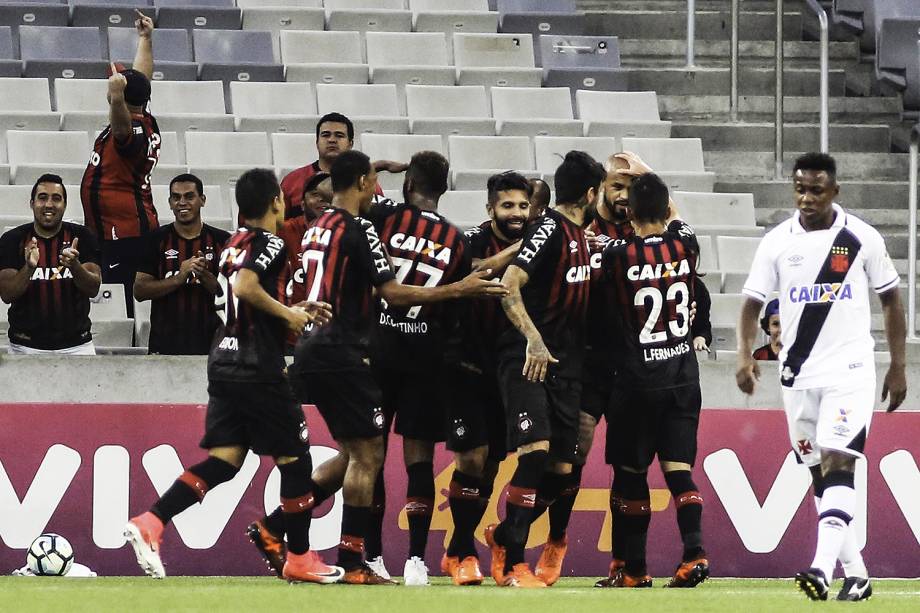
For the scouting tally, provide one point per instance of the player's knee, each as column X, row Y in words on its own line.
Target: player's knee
column 209, row 474
column 631, row 485
column 680, row 482
column 415, row 451
column 296, row 483
column 472, row 462
column 834, row 461
column 532, row 447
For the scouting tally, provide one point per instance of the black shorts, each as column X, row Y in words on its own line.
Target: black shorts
column 476, row 415
column 120, row 260
column 545, row 411
column 345, row 392
column 416, row 400
column 265, row 417
column 596, row 386
column 646, row 423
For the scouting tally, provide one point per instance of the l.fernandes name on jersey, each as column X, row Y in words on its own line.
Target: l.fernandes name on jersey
column 658, row 354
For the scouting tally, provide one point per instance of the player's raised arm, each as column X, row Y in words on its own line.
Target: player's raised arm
column 537, row 357
column 748, row 372
column 143, row 57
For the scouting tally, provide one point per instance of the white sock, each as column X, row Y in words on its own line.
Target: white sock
column 837, row 503
column 850, row 556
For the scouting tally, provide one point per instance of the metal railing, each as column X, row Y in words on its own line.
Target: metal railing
column 912, row 184
column 733, row 97
column 691, row 33
column 778, row 117
column 825, row 71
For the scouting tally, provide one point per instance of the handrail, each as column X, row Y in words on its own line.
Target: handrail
column 778, row 106
column 733, row 97
column 691, row 33
column 825, row 71
column 912, row 234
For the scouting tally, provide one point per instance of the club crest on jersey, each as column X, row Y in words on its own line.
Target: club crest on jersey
column 573, row 246
column 379, row 419
column 525, row 423
column 423, row 246
column 658, row 271
column 840, row 259
column 304, row 432
column 820, row 292
column 459, row 429
column 804, row 447
column 536, row 240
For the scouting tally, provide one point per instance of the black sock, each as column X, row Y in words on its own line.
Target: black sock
column 635, row 514
column 191, row 487
column 617, row 550
column 320, row 494
column 561, row 511
column 373, row 540
column 351, row 545
column 486, row 489
column 274, row 521
column 297, row 503
column 689, row 505
column 547, row 492
column 522, row 494
column 465, row 504
column 419, row 506
column 817, row 480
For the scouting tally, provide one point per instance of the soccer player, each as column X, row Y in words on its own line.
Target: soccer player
column 771, row 326
column 115, row 190
column 179, row 275
column 540, row 360
column 49, row 269
column 476, row 432
column 540, row 197
column 250, row 404
column 824, row 261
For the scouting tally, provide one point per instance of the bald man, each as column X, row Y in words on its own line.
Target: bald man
column 540, row 197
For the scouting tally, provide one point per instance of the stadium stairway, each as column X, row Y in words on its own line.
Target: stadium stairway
column 868, row 132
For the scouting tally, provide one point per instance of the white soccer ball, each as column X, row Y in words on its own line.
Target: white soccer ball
column 50, row 555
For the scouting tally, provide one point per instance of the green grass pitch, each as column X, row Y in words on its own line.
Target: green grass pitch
column 255, row 594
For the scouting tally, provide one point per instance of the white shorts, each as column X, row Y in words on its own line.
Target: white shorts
column 84, row 349
column 835, row 418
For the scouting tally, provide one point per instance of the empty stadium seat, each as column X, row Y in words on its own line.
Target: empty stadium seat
column 374, row 107
column 530, row 6
column 273, row 107
column 368, row 15
column 274, row 19
column 294, row 150
column 550, row 150
column 505, row 60
column 633, row 114
column 30, row 14
column 543, row 22
column 142, row 323
column 723, row 210
column 679, row 161
column 180, row 106
column 31, row 153
column 323, row 57
column 400, row 148
column 474, row 158
column 25, row 104
column 432, row 16
column 522, row 111
column 173, row 51
column 52, row 51
column 735, row 255
column 227, row 149
column 723, row 315
column 708, row 261
column 464, row 208
column 170, row 154
column 10, row 66
column 453, row 110
column 108, row 313
column 876, row 11
column 582, row 63
column 213, row 14
column 236, row 56
column 401, row 58
column 107, row 13
column 81, row 95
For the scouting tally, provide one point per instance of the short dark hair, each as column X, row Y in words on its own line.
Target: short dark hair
column 336, row 118
column 817, row 162
column 507, row 181
column 648, row 198
column 137, row 90
column 578, row 173
column 347, row 168
column 49, row 178
column 188, row 178
column 428, row 171
column 255, row 191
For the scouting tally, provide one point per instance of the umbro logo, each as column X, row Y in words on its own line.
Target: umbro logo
column 171, row 254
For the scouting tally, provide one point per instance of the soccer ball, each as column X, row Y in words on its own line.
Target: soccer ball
column 50, row 554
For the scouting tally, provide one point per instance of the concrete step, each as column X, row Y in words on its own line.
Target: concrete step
column 884, row 220
column 722, row 136
column 748, row 50
column 856, row 195
column 795, row 108
column 850, row 166
column 764, row 6
column 710, row 25
column 752, row 81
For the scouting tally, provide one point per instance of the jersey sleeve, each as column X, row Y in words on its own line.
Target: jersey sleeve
column 147, row 263
column 762, row 279
column 265, row 251
column 372, row 255
column 879, row 267
column 686, row 234
column 381, row 209
column 539, row 245
column 88, row 247
column 11, row 256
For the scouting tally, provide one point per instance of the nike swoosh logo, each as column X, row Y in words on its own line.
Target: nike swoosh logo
column 858, row 591
column 114, row 265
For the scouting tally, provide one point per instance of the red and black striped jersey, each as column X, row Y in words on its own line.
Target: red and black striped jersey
column 182, row 322
column 487, row 320
column 249, row 346
column 654, row 279
column 343, row 261
column 555, row 255
column 115, row 190
column 602, row 330
column 425, row 250
column 52, row 313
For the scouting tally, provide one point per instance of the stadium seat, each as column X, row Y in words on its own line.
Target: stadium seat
column 679, row 161
column 10, row 66
column 582, row 63
column 461, row 110
column 543, row 111
column 721, row 210
column 431, row 16
column 14, row 205
column 323, row 57
column 368, row 15
column 896, row 61
column 848, row 13
column 400, row 148
column 52, row 51
column 107, row 13
column 236, row 56
column 464, row 209
column 180, row 106
column 632, row 114
column 735, row 254
column 170, row 154
column 275, row 19
column 402, row 59
column 294, row 150
column 142, row 322
column 81, row 95
column 530, row 6
column 550, row 150
column 227, row 149
column 543, row 22
column 173, row 50
column 708, row 261
column 25, row 104
column 273, row 107
column 474, row 158
column 723, row 315
column 374, row 107
column 108, row 313
column 876, row 12
column 212, row 14
column 31, row 153
column 504, row 60
column 25, row 13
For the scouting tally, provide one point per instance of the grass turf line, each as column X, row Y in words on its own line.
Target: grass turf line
column 213, row 594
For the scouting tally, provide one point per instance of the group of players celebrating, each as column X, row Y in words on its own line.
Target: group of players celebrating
column 486, row 340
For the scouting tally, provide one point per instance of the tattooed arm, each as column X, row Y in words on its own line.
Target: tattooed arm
column 537, row 357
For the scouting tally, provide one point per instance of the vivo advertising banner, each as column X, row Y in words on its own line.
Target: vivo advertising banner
column 81, row 470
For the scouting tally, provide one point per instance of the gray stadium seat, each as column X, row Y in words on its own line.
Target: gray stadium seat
column 525, row 111
column 294, row 150
column 108, row 313
column 236, row 56
column 367, row 16
column 464, row 209
column 181, row 106
column 876, row 11
column 723, row 315
column 277, row 18
column 679, row 161
column 433, row 18
column 400, row 147
column 173, row 50
column 142, row 321
column 401, row 58
column 723, row 209
column 373, row 107
column 52, row 51
column 530, row 6
column 10, row 66
column 495, row 59
column 107, row 13
column 25, row 104
column 582, row 62
column 82, row 104
column 549, row 151
column 896, row 57
column 323, row 57
column 227, row 149
column 735, row 256
column 544, row 23
column 25, row 13
column 620, row 114
column 273, row 107
column 449, row 110
column 474, row 158
column 848, row 13
column 212, row 14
